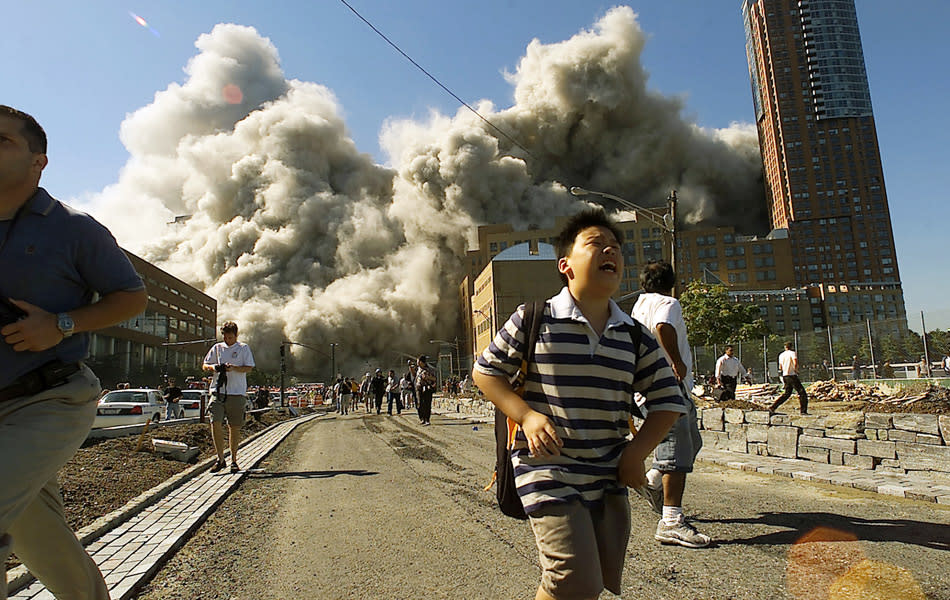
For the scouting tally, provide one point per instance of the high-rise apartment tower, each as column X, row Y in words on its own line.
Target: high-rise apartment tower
column 820, row 154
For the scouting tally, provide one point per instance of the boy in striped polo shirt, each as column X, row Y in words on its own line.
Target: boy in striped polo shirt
column 571, row 456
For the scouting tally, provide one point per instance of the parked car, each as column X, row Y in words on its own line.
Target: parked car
column 129, row 407
column 191, row 402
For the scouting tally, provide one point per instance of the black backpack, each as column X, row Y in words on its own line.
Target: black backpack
column 505, row 429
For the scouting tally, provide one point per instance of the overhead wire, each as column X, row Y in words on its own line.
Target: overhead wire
column 437, row 82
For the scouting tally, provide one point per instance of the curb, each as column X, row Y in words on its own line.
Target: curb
column 19, row 577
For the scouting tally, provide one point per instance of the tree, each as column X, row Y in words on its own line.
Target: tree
column 712, row 317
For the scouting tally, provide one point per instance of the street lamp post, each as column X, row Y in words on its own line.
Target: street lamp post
column 666, row 221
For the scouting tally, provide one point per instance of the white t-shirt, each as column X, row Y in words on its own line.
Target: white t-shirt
column 785, row 362
column 652, row 309
column 238, row 355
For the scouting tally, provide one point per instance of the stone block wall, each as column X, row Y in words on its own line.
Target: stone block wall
column 890, row 442
column 898, row 443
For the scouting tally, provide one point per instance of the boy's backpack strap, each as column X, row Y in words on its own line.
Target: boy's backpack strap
column 533, row 315
column 505, row 429
column 636, row 335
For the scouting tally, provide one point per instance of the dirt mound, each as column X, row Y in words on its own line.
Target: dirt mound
column 105, row 474
column 934, row 400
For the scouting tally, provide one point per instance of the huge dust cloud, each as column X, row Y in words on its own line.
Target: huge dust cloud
column 300, row 236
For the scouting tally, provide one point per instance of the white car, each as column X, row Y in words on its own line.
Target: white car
column 129, row 407
column 191, row 402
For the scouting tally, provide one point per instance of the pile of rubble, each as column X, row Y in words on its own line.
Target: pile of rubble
column 934, row 400
column 845, row 391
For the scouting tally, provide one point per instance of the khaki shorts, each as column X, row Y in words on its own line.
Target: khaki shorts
column 233, row 407
column 581, row 549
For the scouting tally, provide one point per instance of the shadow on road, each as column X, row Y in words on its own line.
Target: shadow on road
column 797, row 524
column 310, row 474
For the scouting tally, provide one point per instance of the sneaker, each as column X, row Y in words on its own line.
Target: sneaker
column 682, row 533
column 218, row 465
column 235, row 468
column 653, row 496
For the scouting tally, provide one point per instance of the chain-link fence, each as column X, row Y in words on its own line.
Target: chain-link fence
column 878, row 349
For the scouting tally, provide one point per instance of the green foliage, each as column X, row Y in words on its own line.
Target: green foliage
column 712, row 317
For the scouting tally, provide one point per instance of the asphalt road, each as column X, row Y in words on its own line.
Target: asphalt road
column 368, row 506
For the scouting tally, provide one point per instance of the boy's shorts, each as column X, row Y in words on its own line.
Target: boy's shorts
column 581, row 549
column 233, row 407
column 677, row 452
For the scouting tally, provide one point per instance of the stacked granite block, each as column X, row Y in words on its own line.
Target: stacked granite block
column 898, row 443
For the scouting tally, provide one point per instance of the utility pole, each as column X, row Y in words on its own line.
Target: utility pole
column 283, row 369
column 672, row 227
column 333, row 346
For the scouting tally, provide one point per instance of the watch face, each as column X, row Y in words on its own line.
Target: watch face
column 65, row 323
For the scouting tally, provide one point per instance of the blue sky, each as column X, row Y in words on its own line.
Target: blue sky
column 81, row 67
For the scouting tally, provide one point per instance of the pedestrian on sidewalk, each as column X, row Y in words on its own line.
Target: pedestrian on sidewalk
column 425, row 388
column 411, row 375
column 788, row 362
column 231, row 360
column 55, row 261
column 173, row 395
column 571, row 455
column 405, row 382
column 392, row 394
column 728, row 372
column 377, row 386
column 662, row 314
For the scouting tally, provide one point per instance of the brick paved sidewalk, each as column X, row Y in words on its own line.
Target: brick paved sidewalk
column 925, row 487
column 134, row 551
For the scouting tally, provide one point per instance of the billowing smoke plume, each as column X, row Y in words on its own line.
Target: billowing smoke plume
column 300, row 236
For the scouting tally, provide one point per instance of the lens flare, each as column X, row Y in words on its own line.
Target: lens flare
column 143, row 23
column 818, row 559
column 232, row 94
column 874, row 580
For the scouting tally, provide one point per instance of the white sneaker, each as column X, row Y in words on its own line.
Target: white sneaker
column 682, row 533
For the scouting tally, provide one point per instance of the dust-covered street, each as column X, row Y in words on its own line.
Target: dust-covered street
column 367, row 506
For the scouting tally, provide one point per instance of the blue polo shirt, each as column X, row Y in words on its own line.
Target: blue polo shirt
column 59, row 259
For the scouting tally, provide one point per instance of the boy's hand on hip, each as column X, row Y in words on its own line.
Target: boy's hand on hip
column 542, row 437
column 630, row 471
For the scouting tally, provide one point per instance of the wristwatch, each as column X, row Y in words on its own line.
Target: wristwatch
column 65, row 324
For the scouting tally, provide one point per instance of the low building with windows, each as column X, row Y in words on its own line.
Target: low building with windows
column 170, row 338
column 521, row 273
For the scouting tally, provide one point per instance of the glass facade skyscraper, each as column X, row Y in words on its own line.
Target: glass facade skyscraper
column 820, row 154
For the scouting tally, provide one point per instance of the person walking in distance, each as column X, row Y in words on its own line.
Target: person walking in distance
column 425, row 388
column 63, row 275
column 173, row 395
column 728, row 372
column 662, row 314
column 231, row 361
column 571, row 457
column 392, row 394
column 377, row 386
column 788, row 363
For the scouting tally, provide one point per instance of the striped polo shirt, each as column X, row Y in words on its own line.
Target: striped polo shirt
column 584, row 384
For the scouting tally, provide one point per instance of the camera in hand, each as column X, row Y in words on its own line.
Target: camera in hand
column 220, row 368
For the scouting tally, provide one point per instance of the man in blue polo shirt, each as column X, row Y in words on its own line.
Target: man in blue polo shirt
column 63, row 276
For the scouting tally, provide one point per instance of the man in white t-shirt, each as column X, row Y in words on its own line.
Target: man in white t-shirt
column 662, row 314
column 788, row 362
column 231, row 361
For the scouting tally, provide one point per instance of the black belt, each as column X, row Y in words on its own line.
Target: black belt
column 50, row 375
